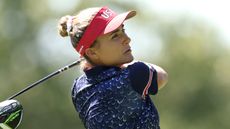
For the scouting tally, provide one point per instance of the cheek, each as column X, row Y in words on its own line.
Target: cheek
column 110, row 49
column 109, row 54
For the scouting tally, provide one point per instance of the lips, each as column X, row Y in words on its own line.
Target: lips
column 127, row 50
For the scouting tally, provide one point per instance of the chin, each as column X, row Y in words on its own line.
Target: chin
column 130, row 59
column 126, row 60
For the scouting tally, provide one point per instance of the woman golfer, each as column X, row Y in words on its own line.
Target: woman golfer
column 113, row 92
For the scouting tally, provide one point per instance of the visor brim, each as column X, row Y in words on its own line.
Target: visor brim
column 118, row 20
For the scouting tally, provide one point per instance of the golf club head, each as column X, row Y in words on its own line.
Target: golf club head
column 11, row 112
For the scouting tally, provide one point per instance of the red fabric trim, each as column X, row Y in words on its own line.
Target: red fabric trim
column 95, row 29
column 145, row 92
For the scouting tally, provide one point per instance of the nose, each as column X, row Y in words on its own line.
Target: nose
column 126, row 39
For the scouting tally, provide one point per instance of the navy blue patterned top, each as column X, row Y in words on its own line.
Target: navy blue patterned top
column 115, row 98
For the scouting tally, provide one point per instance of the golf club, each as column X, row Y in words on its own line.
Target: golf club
column 11, row 111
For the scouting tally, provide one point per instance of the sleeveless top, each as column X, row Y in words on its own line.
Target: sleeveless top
column 115, row 98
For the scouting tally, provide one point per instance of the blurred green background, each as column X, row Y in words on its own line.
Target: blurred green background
column 189, row 48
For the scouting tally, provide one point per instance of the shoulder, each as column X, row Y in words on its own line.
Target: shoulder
column 143, row 77
column 139, row 68
column 79, row 84
column 138, row 65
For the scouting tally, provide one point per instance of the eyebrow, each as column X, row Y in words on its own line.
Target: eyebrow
column 117, row 30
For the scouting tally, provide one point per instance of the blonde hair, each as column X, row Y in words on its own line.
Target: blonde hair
column 76, row 29
column 78, row 25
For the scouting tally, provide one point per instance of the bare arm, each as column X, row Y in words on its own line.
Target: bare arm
column 162, row 76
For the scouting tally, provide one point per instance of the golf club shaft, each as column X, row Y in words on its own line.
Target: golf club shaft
column 46, row 78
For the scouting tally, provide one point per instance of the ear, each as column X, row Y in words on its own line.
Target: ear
column 91, row 53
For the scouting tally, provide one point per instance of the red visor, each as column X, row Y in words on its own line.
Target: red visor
column 104, row 22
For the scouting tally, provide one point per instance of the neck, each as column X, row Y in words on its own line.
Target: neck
column 86, row 65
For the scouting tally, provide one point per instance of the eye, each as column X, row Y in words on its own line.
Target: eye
column 115, row 36
column 119, row 32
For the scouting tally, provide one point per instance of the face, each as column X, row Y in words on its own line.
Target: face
column 113, row 49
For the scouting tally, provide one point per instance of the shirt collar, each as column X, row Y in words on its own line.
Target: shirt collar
column 96, row 70
column 100, row 73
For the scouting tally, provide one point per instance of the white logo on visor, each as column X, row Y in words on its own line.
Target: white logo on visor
column 106, row 14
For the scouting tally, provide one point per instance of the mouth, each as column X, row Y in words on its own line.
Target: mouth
column 128, row 51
